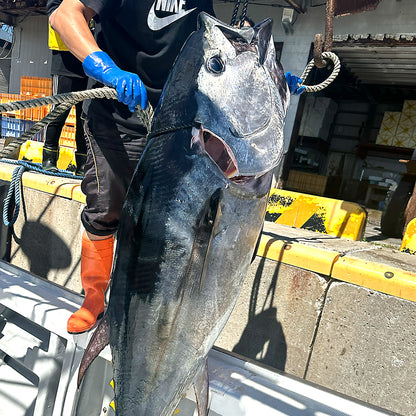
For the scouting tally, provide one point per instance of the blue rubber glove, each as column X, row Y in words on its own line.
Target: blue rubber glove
column 292, row 82
column 129, row 87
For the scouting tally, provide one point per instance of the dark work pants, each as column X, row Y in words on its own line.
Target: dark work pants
column 111, row 160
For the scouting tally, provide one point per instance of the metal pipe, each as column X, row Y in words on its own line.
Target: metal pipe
column 329, row 25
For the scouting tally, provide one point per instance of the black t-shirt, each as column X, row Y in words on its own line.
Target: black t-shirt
column 145, row 36
column 63, row 62
column 51, row 5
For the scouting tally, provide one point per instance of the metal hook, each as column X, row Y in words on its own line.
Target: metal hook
column 329, row 33
column 317, row 52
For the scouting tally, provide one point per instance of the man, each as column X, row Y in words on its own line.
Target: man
column 134, row 48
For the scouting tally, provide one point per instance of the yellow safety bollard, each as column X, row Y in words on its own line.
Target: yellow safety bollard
column 325, row 215
column 409, row 239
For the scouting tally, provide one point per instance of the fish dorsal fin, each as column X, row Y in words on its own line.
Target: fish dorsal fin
column 201, row 388
column 211, row 24
column 263, row 35
column 99, row 340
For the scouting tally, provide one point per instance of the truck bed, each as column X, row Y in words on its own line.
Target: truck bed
column 39, row 362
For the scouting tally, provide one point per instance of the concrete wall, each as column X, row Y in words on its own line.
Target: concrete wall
column 4, row 74
column 47, row 238
column 348, row 338
column 275, row 318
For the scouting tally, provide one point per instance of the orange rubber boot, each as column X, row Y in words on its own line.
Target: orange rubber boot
column 96, row 263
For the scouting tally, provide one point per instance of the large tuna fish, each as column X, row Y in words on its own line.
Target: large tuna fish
column 193, row 214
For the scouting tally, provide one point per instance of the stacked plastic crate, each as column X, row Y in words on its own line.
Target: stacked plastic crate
column 15, row 123
column 35, row 87
column 68, row 132
column 40, row 87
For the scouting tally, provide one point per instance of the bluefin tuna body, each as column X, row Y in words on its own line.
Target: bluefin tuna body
column 193, row 214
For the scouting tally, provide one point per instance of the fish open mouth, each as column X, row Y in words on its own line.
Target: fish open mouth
column 219, row 152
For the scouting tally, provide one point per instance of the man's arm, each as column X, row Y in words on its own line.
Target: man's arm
column 70, row 20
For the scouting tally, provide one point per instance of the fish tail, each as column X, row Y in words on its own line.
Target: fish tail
column 98, row 342
column 201, row 388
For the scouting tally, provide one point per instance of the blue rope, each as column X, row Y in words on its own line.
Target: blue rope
column 14, row 188
column 37, row 167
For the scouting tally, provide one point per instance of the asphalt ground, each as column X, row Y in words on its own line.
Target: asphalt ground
column 373, row 234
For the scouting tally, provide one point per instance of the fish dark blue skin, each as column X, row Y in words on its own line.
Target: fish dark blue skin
column 192, row 217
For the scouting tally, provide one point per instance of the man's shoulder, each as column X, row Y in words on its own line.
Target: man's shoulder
column 51, row 5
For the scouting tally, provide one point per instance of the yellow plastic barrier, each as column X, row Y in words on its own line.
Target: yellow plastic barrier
column 66, row 157
column 409, row 239
column 325, row 215
column 383, row 276
column 296, row 254
column 31, row 151
column 377, row 276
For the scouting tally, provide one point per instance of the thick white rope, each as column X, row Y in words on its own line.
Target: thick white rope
column 63, row 102
column 337, row 66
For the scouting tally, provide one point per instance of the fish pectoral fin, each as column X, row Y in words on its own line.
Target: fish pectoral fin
column 201, row 388
column 205, row 230
column 99, row 340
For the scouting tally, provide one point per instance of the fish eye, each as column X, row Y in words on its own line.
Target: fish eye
column 215, row 64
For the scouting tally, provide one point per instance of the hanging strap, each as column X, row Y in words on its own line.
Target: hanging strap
column 243, row 15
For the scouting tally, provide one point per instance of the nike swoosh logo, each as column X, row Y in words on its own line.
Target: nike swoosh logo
column 158, row 23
